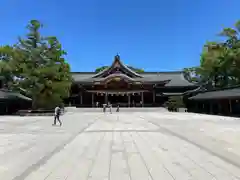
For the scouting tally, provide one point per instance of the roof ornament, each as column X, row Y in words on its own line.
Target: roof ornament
column 117, row 57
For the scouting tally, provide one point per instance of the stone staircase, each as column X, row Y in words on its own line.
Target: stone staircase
column 134, row 109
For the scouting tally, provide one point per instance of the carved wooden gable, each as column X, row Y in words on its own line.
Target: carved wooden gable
column 117, row 67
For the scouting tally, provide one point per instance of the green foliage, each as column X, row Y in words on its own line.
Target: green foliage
column 37, row 65
column 99, row 69
column 6, row 68
column 219, row 62
column 136, row 69
column 174, row 102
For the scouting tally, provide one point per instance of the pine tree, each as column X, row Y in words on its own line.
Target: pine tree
column 44, row 74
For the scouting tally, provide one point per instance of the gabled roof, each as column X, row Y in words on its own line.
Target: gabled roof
column 171, row 79
column 176, row 78
column 117, row 63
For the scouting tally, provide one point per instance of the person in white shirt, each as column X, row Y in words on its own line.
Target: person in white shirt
column 57, row 115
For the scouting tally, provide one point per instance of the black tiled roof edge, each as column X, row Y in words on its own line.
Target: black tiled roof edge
column 146, row 72
column 210, row 94
column 83, row 72
column 221, row 89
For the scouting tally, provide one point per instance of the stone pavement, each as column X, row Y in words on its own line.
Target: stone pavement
column 120, row 146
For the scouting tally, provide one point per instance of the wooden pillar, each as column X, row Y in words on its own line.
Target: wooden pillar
column 230, row 106
column 129, row 100
column 92, row 100
column 203, row 107
column 80, row 98
column 142, row 99
column 196, row 107
column 154, row 96
column 210, row 108
column 106, row 98
column 219, row 107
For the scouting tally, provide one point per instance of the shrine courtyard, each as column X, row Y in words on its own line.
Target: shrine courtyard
column 131, row 145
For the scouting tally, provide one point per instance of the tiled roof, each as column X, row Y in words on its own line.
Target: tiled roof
column 176, row 78
column 229, row 93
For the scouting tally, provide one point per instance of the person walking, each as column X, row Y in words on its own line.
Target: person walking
column 117, row 110
column 57, row 115
column 110, row 107
column 104, row 108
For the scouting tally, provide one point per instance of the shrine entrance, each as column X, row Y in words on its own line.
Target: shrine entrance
column 118, row 99
column 119, row 84
column 119, row 89
column 123, row 98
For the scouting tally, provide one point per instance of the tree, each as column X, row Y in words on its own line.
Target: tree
column 99, row 69
column 40, row 68
column 219, row 62
column 5, row 67
column 54, row 74
column 9, row 67
column 174, row 102
column 138, row 70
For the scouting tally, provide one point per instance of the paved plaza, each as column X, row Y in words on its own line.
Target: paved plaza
column 128, row 145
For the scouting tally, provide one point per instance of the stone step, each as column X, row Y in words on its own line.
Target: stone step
column 74, row 109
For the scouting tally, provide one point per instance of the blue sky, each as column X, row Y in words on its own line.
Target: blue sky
column 157, row 35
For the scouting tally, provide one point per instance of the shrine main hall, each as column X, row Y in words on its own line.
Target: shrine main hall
column 120, row 85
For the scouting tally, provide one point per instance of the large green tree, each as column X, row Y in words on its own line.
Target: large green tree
column 219, row 62
column 37, row 65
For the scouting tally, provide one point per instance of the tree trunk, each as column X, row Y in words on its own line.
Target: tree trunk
column 34, row 103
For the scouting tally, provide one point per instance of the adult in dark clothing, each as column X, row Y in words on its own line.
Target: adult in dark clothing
column 104, row 107
column 117, row 110
column 57, row 115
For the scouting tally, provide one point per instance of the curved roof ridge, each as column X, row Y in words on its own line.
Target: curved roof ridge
column 117, row 60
